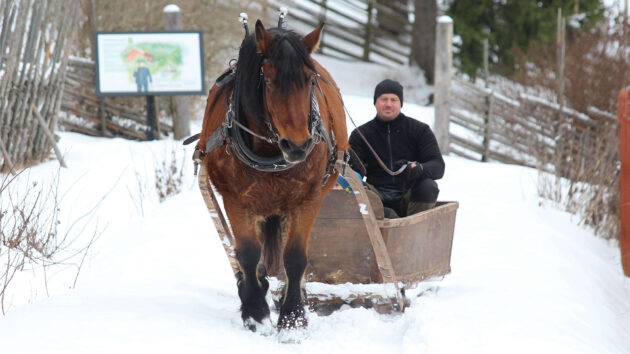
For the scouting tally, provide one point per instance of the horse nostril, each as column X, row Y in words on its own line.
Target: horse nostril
column 294, row 153
column 307, row 144
column 285, row 145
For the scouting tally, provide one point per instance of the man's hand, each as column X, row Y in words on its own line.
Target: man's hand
column 413, row 171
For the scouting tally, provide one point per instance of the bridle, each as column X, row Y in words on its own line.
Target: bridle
column 230, row 133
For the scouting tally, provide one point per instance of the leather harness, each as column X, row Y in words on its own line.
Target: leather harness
column 230, row 131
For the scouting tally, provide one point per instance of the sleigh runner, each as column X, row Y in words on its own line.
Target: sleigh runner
column 412, row 249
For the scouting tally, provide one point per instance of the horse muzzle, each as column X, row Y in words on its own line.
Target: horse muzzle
column 293, row 153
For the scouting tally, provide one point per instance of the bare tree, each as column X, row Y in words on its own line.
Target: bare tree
column 423, row 34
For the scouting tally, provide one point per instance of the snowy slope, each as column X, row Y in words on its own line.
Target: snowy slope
column 524, row 277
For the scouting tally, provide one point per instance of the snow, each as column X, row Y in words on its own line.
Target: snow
column 525, row 278
column 444, row 19
column 171, row 8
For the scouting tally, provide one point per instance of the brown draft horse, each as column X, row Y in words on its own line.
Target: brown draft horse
column 292, row 130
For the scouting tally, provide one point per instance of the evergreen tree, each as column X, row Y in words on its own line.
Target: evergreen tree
column 511, row 24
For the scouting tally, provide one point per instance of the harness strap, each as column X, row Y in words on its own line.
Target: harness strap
column 229, row 133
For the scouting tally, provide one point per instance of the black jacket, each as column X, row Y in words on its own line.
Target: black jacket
column 402, row 138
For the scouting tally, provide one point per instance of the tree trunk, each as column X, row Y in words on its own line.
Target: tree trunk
column 423, row 45
column 182, row 114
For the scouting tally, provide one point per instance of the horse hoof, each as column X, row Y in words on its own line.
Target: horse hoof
column 265, row 327
column 257, row 313
column 293, row 320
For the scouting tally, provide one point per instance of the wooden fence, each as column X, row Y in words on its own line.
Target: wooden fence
column 526, row 131
column 358, row 29
column 35, row 37
column 100, row 116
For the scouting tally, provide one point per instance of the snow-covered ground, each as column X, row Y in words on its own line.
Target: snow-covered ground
column 524, row 277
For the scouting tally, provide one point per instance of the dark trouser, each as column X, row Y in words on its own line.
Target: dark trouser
column 418, row 191
column 142, row 87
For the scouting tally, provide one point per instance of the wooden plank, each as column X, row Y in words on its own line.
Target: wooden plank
column 420, row 245
column 462, row 120
column 380, row 45
column 79, row 129
column 308, row 10
column 131, row 133
column 340, row 204
column 376, row 239
column 48, row 134
column 465, row 83
column 605, row 117
column 454, row 139
column 577, row 117
column 474, row 103
column 340, row 251
column 384, row 52
column 220, row 223
column 464, row 153
column 495, row 155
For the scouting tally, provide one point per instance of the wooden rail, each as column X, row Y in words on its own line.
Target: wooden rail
column 96, row 116
column 352, row 30
column 528, row 131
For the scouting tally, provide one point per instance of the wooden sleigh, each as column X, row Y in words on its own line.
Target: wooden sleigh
column 352, row 242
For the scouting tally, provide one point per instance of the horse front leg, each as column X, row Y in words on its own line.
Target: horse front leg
column 251, row 282
column 300, row 223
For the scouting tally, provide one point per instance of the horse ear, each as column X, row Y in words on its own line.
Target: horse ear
column 263, row 38
column 311, row 40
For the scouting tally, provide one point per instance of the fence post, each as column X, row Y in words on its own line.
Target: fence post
column 443, row 65
column 486, row 54
column 322, row 19
column 180, row 104
column 624, row 179
column 368, row 31
column 487, row 126
column 489, row 101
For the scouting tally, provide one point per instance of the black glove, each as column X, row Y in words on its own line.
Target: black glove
column 413, row 171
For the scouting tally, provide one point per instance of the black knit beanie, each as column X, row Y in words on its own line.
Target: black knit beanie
column 389, row 86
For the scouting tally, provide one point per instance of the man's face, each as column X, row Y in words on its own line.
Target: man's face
column 387, row 106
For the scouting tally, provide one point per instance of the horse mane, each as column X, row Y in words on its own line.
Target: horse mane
column 287, row 53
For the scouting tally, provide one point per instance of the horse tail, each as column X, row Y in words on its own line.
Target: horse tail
column 272, row 241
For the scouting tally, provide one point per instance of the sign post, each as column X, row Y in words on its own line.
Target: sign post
column 151, row 131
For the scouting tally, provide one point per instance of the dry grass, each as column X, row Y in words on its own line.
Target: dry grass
column 169, row 175
column 587, row 166
column 29, row 237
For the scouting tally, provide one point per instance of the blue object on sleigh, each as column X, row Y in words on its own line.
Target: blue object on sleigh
column 344, row 183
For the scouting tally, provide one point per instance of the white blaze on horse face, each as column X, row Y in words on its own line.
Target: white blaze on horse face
column 363, row 209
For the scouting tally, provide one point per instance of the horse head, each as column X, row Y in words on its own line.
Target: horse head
column 290, row 79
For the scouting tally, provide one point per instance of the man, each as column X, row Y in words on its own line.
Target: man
column 143, row 77
column 398, row 140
